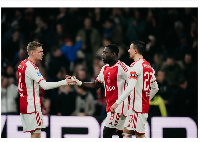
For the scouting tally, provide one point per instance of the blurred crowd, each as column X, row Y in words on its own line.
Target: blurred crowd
column 73, row 40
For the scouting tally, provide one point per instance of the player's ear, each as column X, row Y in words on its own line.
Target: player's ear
column 31, row 52
column 136, row 51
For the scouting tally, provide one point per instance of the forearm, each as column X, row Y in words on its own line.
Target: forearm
column 50, row 85
column 93, row 85
column 154, row 90
column 127, row 92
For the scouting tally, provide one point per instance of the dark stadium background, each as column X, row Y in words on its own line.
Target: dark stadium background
column 171, row 35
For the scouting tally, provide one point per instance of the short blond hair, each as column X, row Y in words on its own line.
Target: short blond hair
column 33, row 45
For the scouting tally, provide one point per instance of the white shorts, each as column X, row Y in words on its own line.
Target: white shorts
column 115, row 120
column 32, row 122
column 136, row 121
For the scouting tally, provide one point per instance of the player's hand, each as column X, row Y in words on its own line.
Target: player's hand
column 78, row 82
column 69, row 80
column 68, row 76
column 113, row 107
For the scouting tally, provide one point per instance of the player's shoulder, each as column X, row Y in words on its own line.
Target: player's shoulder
column 122, row 65
column 22, row 64
column 31, row 65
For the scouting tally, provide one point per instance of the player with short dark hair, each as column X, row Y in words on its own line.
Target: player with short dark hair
column 143, row 86
column 114, row 77
column 29, row 80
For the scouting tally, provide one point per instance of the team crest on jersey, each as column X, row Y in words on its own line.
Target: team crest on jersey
column 39, row 74
column 108, row 80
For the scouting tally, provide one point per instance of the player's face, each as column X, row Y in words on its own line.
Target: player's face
column 131, row 51
column 107, row 55
column 38, row 53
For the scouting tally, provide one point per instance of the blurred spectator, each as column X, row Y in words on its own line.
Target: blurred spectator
column 172, row 70
column 172, row 37
column 85, row 103
column 113, row 31
column 69, row 50
column 190, row 70
column 165, row 90
column 12, row 45
column 44, row 32
column 105, row 41
column 151, row 48
column 9, row 93
column 182, row 48
column 90, row 38
column 182, row 99
column 10, row 71
column 135, row 26
column 65, row 101
column 60, row 35
column 69, row 21
column 158, row 61
column 56, row 62
column 194, row 41
column 124, row 55
column 19, row 56
column 46, row 106
column 151, row 23
column 98, row 18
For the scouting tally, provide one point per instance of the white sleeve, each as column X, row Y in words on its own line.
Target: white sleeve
column 34, row 73
column 133, row 74
column 154, row 89
column 100, row 77
column 50, row 85
column 128, row 90
column 154, row 86
column 126, row 74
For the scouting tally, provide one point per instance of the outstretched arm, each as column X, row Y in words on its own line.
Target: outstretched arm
column 50, row 85
column 96, row 85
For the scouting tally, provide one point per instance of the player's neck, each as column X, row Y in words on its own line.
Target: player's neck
column 113, row 62
column 137, row 57
column 32, row 59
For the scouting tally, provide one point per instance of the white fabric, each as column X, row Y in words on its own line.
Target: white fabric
column 154, row 89
column 129, row 89
column 136, row 121
column 115, row 120
column 50, row 85
column 29, row 122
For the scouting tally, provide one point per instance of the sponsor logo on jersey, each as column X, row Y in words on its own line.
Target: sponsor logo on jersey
column 110, row 88
column 39, row 74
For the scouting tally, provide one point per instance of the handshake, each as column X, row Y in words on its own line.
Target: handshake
column 71, row 80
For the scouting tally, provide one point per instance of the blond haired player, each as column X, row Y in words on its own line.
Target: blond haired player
column 29, row 80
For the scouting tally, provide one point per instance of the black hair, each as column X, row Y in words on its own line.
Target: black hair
column 113, row 48
column 140, row 46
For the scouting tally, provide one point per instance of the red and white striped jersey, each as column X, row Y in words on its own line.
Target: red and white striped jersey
column 29, row 77
column 114, row 79
column 144, row 73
